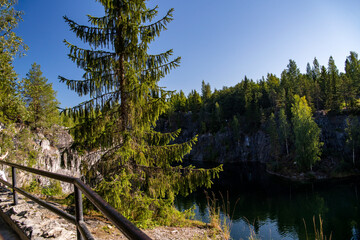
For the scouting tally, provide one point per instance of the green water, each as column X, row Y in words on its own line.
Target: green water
column 276, row 209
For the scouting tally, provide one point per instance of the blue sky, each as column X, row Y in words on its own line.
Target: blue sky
column 219, row 41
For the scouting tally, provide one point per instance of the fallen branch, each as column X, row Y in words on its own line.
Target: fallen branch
column 4, row 156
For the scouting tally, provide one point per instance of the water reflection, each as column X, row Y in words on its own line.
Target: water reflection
column 275, row 209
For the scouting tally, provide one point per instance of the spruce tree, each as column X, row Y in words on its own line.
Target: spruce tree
column 194, row 101
column 40, row 99
column 316, row 91
column 274, row 86
column 140, row 167
column 352, row 79
column 335, row 99
column 324, row 88
column 205, row 91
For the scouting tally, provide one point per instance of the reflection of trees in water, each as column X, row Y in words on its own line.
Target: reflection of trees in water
column 262, row 198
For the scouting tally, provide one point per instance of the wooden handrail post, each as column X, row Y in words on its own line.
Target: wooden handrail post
column 123, row 224
column 78, row 210
column 13, row 173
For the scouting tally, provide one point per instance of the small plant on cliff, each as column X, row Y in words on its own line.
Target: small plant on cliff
column 33, row 186
column 54, row 189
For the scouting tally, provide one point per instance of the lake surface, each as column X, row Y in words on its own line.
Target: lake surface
column 276, row 209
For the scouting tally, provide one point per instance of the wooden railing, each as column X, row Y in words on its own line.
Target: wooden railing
column 124, row 225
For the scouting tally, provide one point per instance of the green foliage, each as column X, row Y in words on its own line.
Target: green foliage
column 54, row 189
column 66, row 121
column 334, row 98
column 274, row 137
column 140, row 166
column 351, row 80
column 145, row 210
column 33, row 187
column 40, row 99
column 9, row 19
column 205, row 91
column 194, row 101
column 18, row 141
column 307, row 134
column 11, row 107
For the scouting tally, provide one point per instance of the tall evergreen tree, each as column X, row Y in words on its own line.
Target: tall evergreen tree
column 293, row 75
column 325, row 92
column 205, row 91
column 40, row 99
column 139, row 166
column 335, row 98
column 307, row 134
column 274, row 92
column 316, row 90
column 194, row 101
column 352, row 79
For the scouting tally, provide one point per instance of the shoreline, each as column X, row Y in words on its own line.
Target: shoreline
column 313, row 176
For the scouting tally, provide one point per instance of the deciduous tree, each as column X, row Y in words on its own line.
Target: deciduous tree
column 307, row 134
column 11, row 45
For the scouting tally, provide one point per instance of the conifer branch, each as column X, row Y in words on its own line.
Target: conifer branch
column 94, row 36
column 148, row 32
column 158, row 59
column 149, row 14
column 85, row 58
column 102, row 22
column 164, row 69
column 89, row 86
column 184, row 170
column 96, row 102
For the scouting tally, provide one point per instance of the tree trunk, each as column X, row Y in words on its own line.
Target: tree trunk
column 124, row 111
column 353, row 155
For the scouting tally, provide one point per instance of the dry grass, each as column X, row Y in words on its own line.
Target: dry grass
column 223, row 223
column 318, row 232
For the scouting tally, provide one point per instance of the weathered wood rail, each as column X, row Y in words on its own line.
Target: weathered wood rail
column 123, row 224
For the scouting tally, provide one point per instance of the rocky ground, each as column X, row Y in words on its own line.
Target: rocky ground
column 39, row 223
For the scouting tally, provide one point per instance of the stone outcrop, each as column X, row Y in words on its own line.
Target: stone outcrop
column 54, row 153
column 227, row 146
